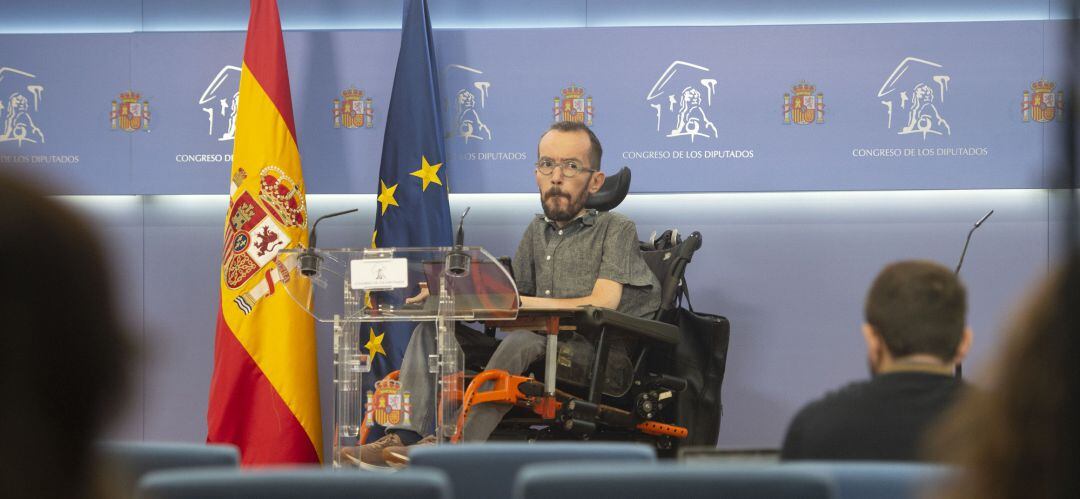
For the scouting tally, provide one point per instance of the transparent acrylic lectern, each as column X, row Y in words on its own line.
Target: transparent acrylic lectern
column 438, row 285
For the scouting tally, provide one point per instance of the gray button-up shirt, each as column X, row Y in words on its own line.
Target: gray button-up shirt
column 565, row 263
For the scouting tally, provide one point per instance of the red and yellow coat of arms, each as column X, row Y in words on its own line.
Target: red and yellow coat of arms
column 573, row 106
column 802, row 107
column 389, row 405
column 1041, row 104
column 129, row 114
column 255, row 233
column 353, row 110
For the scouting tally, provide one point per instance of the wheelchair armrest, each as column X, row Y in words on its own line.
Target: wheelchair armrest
column 594, row 317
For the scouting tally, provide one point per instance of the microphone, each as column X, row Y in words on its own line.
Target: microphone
column 960, row 367
column 459, row 240
column 457, row 261
column 309, row 260
column 968, row 240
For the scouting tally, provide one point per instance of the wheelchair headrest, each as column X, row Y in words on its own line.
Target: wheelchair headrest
column 612, row 192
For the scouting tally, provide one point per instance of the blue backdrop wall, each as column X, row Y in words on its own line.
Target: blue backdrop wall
column 755, row 108
column 793, row 235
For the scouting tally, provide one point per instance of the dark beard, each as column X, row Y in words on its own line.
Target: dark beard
column 571, row 210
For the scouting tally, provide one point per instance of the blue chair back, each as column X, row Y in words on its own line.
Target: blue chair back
column 880, row 480
column 306, row 482
column 679, row 481
column 488, row 470
column 130, row 460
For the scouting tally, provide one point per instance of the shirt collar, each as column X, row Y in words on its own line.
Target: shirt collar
column 587, row 218
column 943, row 370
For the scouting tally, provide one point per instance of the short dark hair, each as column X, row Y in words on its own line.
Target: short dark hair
column 918, row 307
column 595, row 151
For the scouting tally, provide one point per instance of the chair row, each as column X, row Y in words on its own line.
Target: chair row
column 528, row 471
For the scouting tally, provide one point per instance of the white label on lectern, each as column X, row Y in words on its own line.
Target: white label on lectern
column 379, row 273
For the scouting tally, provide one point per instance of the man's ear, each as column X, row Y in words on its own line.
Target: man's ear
column 596, row 182
column 874, row 345
column 965, row 344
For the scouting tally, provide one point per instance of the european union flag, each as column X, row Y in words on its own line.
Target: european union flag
column 413, row 208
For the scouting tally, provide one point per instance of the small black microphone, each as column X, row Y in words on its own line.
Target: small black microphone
column 983, row 219
column 457, row 261
column 459, row 240
column 309, row 260
column 968, row 240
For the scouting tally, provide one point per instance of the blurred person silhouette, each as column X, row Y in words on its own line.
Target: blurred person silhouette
column 63, row 353
column 1020, row 438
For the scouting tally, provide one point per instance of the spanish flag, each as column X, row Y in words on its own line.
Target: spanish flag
column 264, row 394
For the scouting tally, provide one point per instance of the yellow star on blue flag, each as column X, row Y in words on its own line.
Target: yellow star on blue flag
column 386, row 197
column 374, row 344
column 428, row 173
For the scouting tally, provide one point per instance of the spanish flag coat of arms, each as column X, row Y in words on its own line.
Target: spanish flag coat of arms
column 264, row 394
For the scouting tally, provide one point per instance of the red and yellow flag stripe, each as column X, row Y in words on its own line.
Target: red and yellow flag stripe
column 264, row 394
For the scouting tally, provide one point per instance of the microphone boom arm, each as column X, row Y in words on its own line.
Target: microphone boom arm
column 308, row 259
column 968, row 240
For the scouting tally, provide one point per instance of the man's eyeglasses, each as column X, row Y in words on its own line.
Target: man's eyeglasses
column 570, row 167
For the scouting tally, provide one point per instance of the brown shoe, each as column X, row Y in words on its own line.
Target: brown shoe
column 370, row 455
column 398, row 455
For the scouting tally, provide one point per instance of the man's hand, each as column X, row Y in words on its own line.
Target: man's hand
column 420, row 297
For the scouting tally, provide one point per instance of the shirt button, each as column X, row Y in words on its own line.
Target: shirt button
column 547, row 291
column 560, row 232
column 549, row 257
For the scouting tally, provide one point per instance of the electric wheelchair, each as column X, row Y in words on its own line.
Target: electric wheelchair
column 666, row 390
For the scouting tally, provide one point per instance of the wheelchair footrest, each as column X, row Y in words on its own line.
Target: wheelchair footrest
column 572, row 414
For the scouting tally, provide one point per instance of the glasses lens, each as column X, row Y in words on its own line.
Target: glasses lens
column 569, row 168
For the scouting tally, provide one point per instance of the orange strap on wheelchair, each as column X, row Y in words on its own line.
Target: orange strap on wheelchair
column 505, row 390
column 364, row 425
column 654, row 428
column 498, row 393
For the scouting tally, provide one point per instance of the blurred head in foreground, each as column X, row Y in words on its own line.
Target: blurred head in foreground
column 1020, row 437
column 62, row 350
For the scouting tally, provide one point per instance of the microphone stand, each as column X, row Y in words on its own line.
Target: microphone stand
column 457, row 262
column 959, row 366
column 968, row 240
column 309, row 260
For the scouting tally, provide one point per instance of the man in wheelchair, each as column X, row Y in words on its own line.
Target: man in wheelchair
column 569, row 257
